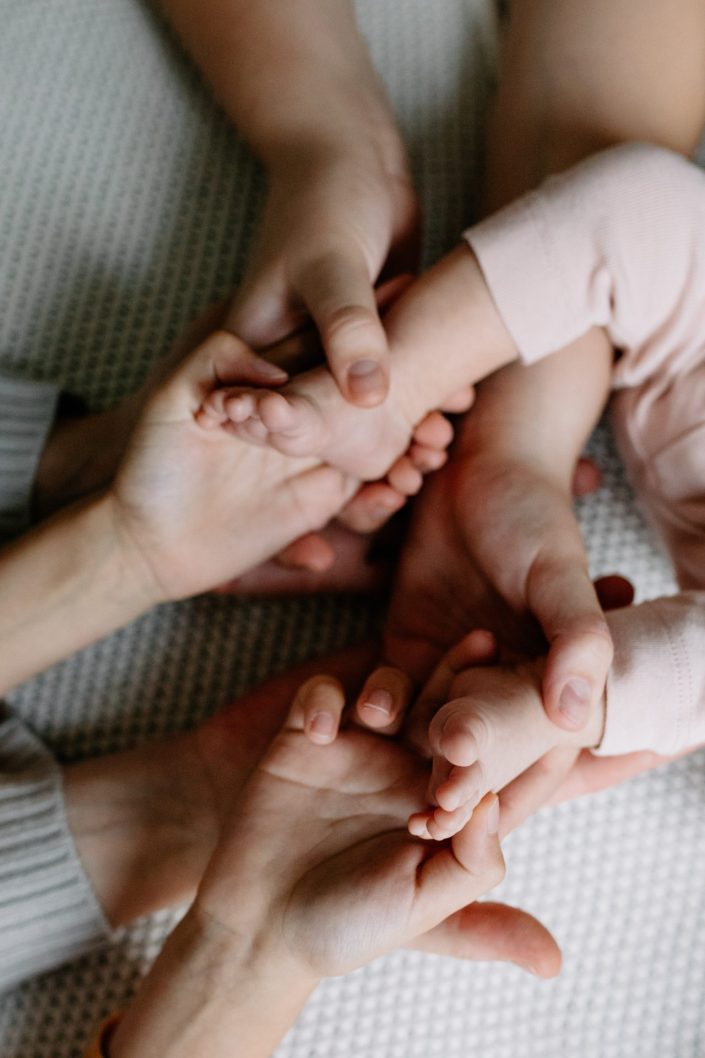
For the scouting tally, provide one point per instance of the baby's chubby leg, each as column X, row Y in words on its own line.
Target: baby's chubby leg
column 444, row 333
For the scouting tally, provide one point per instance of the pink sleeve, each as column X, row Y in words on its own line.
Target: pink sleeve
column 617, row 242
column 656, row 687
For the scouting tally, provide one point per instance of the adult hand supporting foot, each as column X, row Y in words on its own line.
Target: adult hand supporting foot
column 341, row 206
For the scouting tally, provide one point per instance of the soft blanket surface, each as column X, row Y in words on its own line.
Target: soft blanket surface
column 126, row 204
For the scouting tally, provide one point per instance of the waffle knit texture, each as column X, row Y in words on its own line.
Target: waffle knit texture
column 126, row 204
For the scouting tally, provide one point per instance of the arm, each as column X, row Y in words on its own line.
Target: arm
column 340, row 196
column 237, row 970
column 575, row 78
column 186, row 511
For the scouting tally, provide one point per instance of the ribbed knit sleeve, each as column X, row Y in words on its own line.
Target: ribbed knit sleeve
column 49, row 913
column 27, row 410
column 656, row 687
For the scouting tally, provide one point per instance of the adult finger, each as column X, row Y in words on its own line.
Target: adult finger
column 586, row 477
column 317, row 709
column 535, row 787
column 562, row 597
column 383, row 699
column 491, row 932
column 614, row 591
column 464, row 871
column 338, row 293
column 590, row 773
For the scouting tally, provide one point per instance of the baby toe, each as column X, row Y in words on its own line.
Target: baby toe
column 277, row 413
column 462, row 786
column 238, row 407
column 404, row 477
column 434, row 431
column 426, row 459
column 443, row 825
column 460, row 734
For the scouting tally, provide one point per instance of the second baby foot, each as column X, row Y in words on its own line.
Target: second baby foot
column 492, row 730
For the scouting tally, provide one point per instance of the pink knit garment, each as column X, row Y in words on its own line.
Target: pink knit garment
column 619, row 242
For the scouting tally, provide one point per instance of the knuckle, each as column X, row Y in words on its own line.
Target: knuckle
column 348, row 321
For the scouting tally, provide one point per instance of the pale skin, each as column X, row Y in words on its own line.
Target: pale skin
column 567, row 88
column 449, row 308
column 186, row 510
column 340, row 880
column 490, row 728
column 323, row 818
column 341, row 206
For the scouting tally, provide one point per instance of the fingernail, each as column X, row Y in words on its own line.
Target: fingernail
column 322, row 726
column 574, row 701
column 365, row 378
column 379, row 700
column 493, row 817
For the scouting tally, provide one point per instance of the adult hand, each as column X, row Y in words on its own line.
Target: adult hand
column 198, row 507
column 333, row 222
column 495, row 545
column 321, row 829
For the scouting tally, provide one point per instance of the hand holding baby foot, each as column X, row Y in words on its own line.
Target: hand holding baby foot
column 491, row 730
column 197, row 506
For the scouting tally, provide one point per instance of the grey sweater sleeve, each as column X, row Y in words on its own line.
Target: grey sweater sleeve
column 49, row 912
column 27, row 411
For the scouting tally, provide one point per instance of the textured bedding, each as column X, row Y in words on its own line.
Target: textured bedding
column 126, row 204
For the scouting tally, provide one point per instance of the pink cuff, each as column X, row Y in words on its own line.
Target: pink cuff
column 656, row 686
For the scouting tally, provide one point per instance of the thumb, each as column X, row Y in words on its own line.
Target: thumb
column 490, row 932
column 338, row 293
column 563, row 599
column 454, row 876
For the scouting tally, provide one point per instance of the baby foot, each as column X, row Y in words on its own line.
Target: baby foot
column 309, row 417
column 492, row 730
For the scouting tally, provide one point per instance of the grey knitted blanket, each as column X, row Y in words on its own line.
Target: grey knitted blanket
column 126, row 204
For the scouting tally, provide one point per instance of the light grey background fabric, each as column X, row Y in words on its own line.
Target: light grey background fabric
column 126, row 204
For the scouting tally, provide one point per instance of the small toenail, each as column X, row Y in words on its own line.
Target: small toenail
column 365, row 377
column 380, row 701
column 574, row 701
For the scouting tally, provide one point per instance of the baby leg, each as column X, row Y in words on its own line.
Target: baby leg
column 444, row 333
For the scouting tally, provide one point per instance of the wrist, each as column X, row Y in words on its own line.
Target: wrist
column 69, row 582
column 214, row 991
column 358, row 139
column 145, row 822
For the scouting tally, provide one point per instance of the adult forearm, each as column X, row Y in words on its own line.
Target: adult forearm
column 293, row 76
column 540, row 416
column 64, row 585
column 578, row 77
column 145, row 823
column 213, row 993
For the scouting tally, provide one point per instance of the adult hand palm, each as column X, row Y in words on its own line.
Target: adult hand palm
column 340, row 879
column 200, row 506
